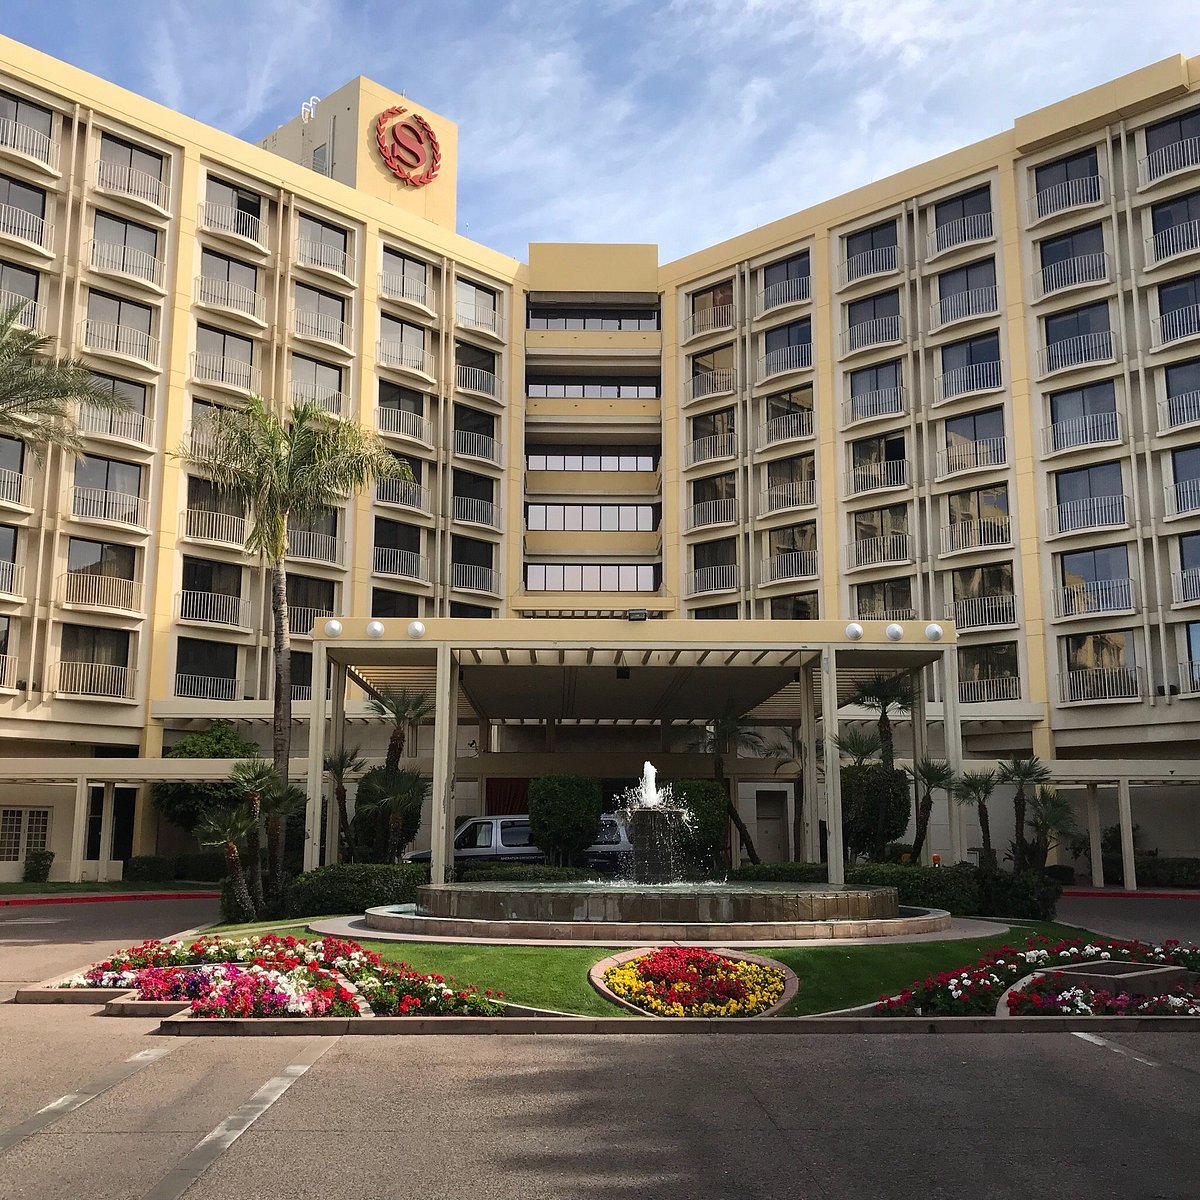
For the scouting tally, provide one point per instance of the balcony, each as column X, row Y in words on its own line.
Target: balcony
column 981, row 455
column 482, row 317
column 976, row 534
column 881, row 261
column 1079, row 351
column 121, row 426
column 1189, row 678
column 722, row 578
column 475, row 379
column 877, row 476
column 1182, row 497
column 314, row 547
column 886, row 550
column 302, row 692
column 1175, row 412
column 1076, row 433
column 321, row 256
column 966, row 230
column 109, row 337
column 1175, row 326
column 963, row 306
column 100, row 591
column 466, row 577
column 716, row 319
column 231, row 297
column 711, row 512
column 402, row 494
column 128, row 262
column 117, row 508
column 870, row 406
column 221, row 371
column 1100, row 683
column 8, row 671
column 712, row 383
column 207, row 687
column 12, row 579
column 789, row 427
column 1081, row 271
column 1185, row 586
column 330, row 399
column 983, row 612
column 1094, row 598
column 20, row 225
column 471, row 511
column 232, row 222
column 302, row 619
column 401, row 564
column 321, row 327
column 1172, row 242
column 989, row 690
column 405, row 290
column 87, row 680
column 29, row 313
column 399, row 422
column 223, row 529
column 1091, row 512
column 214, row 608
column 882, row 331
column 468, row 444
column 785, row 360
column 1065, row 196
column 133, row 184
column 797, row 493
column 783, row 293
column 401, row 356
column 791, row 565
column 14, row 488
column 710, row 449
column 28, row 142
column 1169, row 160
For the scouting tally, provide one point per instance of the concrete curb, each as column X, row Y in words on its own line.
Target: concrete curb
column 1122, row 894
column 104, row 898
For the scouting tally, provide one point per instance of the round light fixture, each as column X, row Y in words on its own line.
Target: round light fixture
column 375, row 629
column 933, row 633
column 894, row 632
column 854, row 631
column 333, row 628
column 416, row 629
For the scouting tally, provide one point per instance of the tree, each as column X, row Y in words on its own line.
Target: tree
column 254, row 778
column 1051, row 820
column 729, row 734
column 394, row 799
column 279, row 803
column 225, row 827
column 1021, row 773
column 871, row 792
column 183, row 804
column 339, row 766
column 928, row 775
column 975, row 788
column 858, row 745
column 884, row 694
column 564, row 815
column 704, row 801
column 404, row 709
column 280, row 469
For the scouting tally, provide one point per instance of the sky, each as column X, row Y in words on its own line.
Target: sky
column 681, row 122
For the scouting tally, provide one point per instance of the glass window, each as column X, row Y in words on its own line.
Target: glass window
column 18, row 281
column 220, row 266
column 116, row 310
column 1176, row 129
column 1104, row 479
column 889, row 521
column 8, row 544
column 979, row 504
column 17, row 194
column 402, row 399
column 116, row 231
column 884, row 595
column 995, row 661
column 1074, row 244
column 1100, row 651
column 717, row 296
column 876, row 238
column 714, row 487
column 466, row 355
column 717, row 612
column 1179, row 210
column 319, row 377
column 879, row 378
column 787, row 269
column 1178, row 294
column 109, row 475
column 514, row 833
column 719, row 359
column 1083, row 401
column 713, row 424
column 795, row 333
column 314, row 300
column 971, row 352
column 1082, row 165
column 975, row 427
column 970, row 278
column 475, row 835
column 24, row 112
column 792, row 538
column 92, row 644
column 12, row 455
column 475, row 612
column 474, row 300
column 990, row 579
column 802, row 607
column 392, row 329
column 109, row 559
column 206, row 660
column 121, row 153
column 1077, row 322
column 1081, row 567
column 401, row 266
column 230, row 195
column 210, row 340
column 216, row 578
column 387, row 603
column 873, row 308
column 133, row 394
column 318, row 232
column 969, row 204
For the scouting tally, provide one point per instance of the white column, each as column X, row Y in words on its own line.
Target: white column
column 450, row 804
column 316, row 759
column 1125, row 815
column 952, row 730
column 1094, row 836
column 920, row 746
column 808, row 742
column 443, row 747
column 337, row 735
column 78, row 829
column 106, row 829
column 833, row 773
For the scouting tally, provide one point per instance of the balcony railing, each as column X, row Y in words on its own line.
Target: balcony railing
column 207, row 687
column 711, row 512
column 975, row 228
column 401, row 564
column 115, row 258
column 976, row 534
column 225, row 372
column 225, row 218
column 796, row 493
column 1092, row 429
column 887, row 614
column 879, row 332
column 791, row 564
column 227, row 529
column 1175, row 326
column 94, row 679
column 129, row 181
column 98, row 504
column 475, row 379
column 330, row 399
column 108, row 337
column 1176, row 411
column 707, row 449
column 1185, row 585
column 316, row 547
column 989, row 690
column 14, row 488
column 979, row 455
column 1079, row 271
column 880, row 261
column 1094, row 597
column 961, row 306
column 785, row 359
column 1077, row 351
column 479, row 316
column 24, row 226
column 320, row 327
column 405, row 287
column 1090, row 512
column 24, row 139
column 466, row 577
column 1183, row 238
column 1100, row 683
column 324, row 257
column 983, row 612
column 974, row 377
column 789, row 427
column 1189, row 678
column 1182, row 496
column 8, row 671
column 712, row 383
column 867, row 406
column 405, row 357
column 234, row 297
column 473, row 511
column 874, row 477
column 722, row 578
column 708, row 320
column 12, row 578
column 100, row 591
column 403, row 495
column 469, row 444
column 125, row 425
column 1071, row 193
column 786, row 291
column 402, row 423
column 214, row 608
column 1169, row 160
column 879, row 551
column 303, row 618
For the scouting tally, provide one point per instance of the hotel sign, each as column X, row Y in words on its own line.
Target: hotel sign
column 408, row 146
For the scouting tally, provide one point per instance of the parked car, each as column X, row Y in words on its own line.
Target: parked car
column 506, row 839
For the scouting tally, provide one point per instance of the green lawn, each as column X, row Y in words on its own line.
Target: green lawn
column 117, row 885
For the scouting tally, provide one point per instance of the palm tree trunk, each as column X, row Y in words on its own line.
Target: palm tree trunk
column 339, row 796
column 237, row 881
column 924, row 810
column 281, row 743
column 887, row 747
column 395, row 750
column 735, row 816
column 254, row 853
column 1020, row 846
column 887, row 761
column 985, row 829
column 276, row 831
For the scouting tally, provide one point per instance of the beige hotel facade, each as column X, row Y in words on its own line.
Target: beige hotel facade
column 966, row 394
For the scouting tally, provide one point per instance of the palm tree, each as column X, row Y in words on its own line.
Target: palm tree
column 1051, row 818
column 39, row 392
column 404, row 709
column 279, row 803
column 1021, row 773
column 278, row 469
column 885, row 694
column 976, row 787
column 928, row 775
column 396, row 798
column 340, row 765
column 858, row 745
column 728, row 734
column 254, row 778
column 225, row 827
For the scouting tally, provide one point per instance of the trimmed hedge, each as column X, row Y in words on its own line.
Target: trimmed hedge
column 956, row 889
column 1153, row 871
column 37, row 866
column 786, row 872
column 201, row 866
column 342, row 888
column 564, row 815
column 149, row 868
column 521, row 873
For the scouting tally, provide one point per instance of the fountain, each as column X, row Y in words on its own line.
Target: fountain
column 653, row 825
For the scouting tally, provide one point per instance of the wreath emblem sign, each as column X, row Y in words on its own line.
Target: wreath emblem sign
column 390, row 148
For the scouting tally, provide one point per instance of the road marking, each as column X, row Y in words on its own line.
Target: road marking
column 214, row 1144
column 1099, row 1041
column 7, row 921
column 57, row 1109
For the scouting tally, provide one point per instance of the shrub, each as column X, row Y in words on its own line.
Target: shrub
column 956, row 889
column 787, row 872
column 1028, row 895
column 865, row 789
column 564, row 815
column 1153, row 871
column 149, row 868
column 521, row 873
column 182, row 803
column 37, row 866
column 353, row 887
column 1062, row 873
column 894, row 852
column 708, row 804
column 201, row 866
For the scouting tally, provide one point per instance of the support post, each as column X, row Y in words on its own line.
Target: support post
column 1095, row 843
column 808, row 742
column 337, row 738
column 450, row 804
column 79, row 829
column 833, row 773
column 106, row 831
column 920, row 743
column 443, row 750
column 316, row 759
column 952, row 731
column 1125, row 815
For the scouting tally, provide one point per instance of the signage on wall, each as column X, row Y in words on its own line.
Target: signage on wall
column 408, row 146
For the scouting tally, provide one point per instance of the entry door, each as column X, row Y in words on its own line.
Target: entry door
column 771, row 835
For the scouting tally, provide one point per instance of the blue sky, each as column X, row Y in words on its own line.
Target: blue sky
column 680, row 122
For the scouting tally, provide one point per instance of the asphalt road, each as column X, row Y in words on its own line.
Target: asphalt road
column 1152, row 920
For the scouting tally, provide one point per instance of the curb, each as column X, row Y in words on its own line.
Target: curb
column 69, row 898
column 1121, row 894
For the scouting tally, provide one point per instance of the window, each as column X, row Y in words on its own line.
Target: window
column 6, row 640
column 985, row 506
column 1084, row 415
column 395, row 535
column 24, row 112
column 995, row 661
column 475, row 612
column 386, row 603
column 1066, row 182
column 476, row 835
column 802, row 607
column 474, row 358
column 400, row 268
column 555, row 316
column 592, row 387
column 720, row 423
column 878, row 237
column 1179, row 309
column 399, row 399
column 1185, row 470
column 1173, row 144
column 790, row 403
column 717, row 612
column 591, row 458
column 17, row 282
column 975, row 583
column 971, row 352
column 719, row 296
column 874, row 451
column 303, row 591
column 1090, row 496
column 120, row 234
column 473, row 420
column 23, row 830
column 714, row 488
column 1078, row 243
column 107, row 559
column 323, row 523
column 200, row 659
column 118, row 313
column 973, row 277
column 471, row 552
column 514, row 833
column 791, row 539
column 320, row 159
column 1173, row 213
column 220, row 344
column 326, row 244
column 968, row 432
column 214, row 578
column 320, row 314
column 108, row 475
column 474, row 303
column 316, row 380
column 217, row 191
column 718, row 360
column 233, row 209
column 1077, row 323
column 952, row 218
column 873, row 308
column 782, row 337
column 591, row 577
column 8, row 551
column 1095, row 580
column 800, row 468
column 90, row 644
column 870, row 381
column 642, row 518
column 12, row 457
column 26, row 199
column 787, row 280
column 117, row 152
column 890, row 521
column 1100, row 666
column 470, row 486
column 885, row 596
column 228, row 270
column 203, row 496
column 719, row 553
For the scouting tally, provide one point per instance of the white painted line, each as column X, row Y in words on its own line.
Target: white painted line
column 1121, row 1050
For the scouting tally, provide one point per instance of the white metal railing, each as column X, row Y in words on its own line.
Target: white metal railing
column 786, row 358
column 1189, row 677
column 1071, row 193
column 877, row 332
column 1183, row 238
column 94, row 679
column 330, row 399
column 708, row 320
column 100, row 591
column 401, row 564
column 115, row 258
column 129, row 181
column 99, row 504
column 975, row 228
column 722, row 578
column 214, row 608
column 474, row 511
column 29, row 313
column 1176, row 411
column 873, row 477
column 883, row 402
column 475, row 379
column 1183, row 496
column 203, row 526
column 320, row 326
column 199, row 437
column 1091, row 429
column 972, row 456
column 24, row 139
column 973, row 302
column 1071, row 272
column 711, row 512
column 109, row 337
column 985, row 691
column 229, row 372
column 236, row 297
column 323, row 256
column 1077, row 351
column 24, row 226
column 479, row 316
column 787, row 428
column 879, row 551
column 791, row 564
column 880, row 261
column 796, row 493
column 302, row 618
column 1175, row 326
column 976, row 534
column 706, row 449
column 403, row 287
column 786, row 291
column 14, row 488
column 887, row 614
column 207, row 687
column 403, row 494
column 1090, row 512
column 712, row 383
column 304, row 691
column 974, row 377
column 8, row 671
column 1168, row 160
column 1185, row 585
column 1100, row 683
column 127, row 425
column 469, row 444
column 466, row 577
column 1092, row 597
column 12, row 578
column 225, row 218
column 316, row 547
column 402, row 423
column 982, row 612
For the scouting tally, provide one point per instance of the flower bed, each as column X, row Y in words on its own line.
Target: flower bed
column 691, row 982
column 976, row 990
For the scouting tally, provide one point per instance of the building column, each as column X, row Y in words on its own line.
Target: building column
column 1125, row 815
column 444, row 721
column 337, row 743
column 833, row 774
column 919, row 720
column 316, row 759
column 78, row 830
column 1094, row 836
column 808, row 766
column 106, row 830
column 952, row 731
